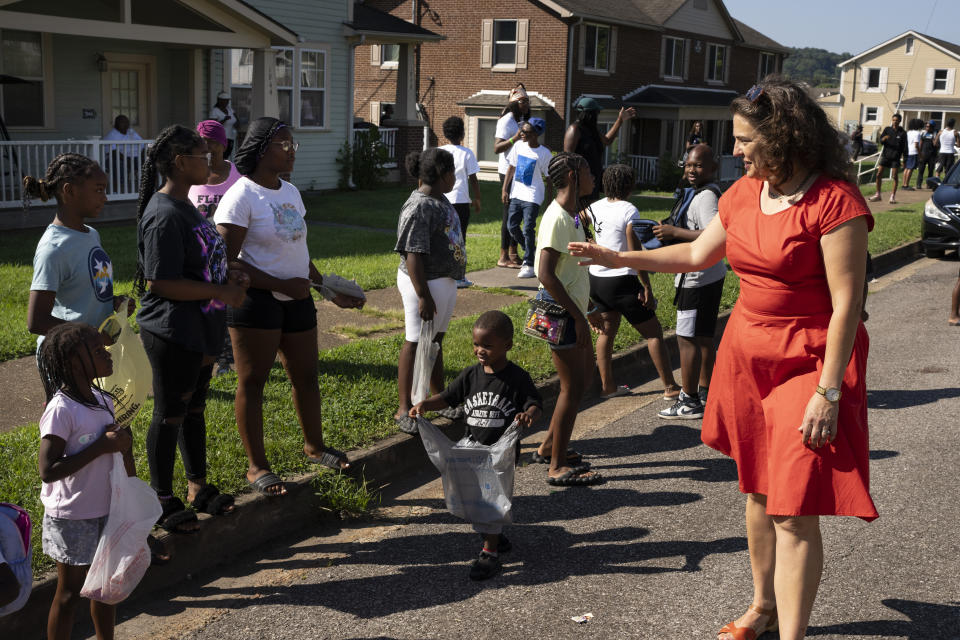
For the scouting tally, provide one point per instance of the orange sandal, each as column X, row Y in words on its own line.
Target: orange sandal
column 746, row 633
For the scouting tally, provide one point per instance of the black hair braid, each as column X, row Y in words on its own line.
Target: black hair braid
column 562, row 164
column 259, row 134
column 173, row 141
column 65, row 168
column 618, row 181
column 56, row 361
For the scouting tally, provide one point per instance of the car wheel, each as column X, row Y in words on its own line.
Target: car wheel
column 933, row 253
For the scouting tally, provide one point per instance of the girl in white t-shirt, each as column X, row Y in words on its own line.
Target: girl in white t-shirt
column 947, row 141
column 618, row 292
column 78, row 434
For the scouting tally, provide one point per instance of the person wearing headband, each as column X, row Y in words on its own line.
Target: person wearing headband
column 584, row 138
column 223, row 113
column 507, row 135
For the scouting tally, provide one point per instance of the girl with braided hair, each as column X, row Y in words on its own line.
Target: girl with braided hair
column 77, row 439
column 261, row 220
column 564, row 283
column 185, row 285
column 72, row 274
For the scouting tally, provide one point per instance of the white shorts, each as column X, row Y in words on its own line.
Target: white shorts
column 444, row 292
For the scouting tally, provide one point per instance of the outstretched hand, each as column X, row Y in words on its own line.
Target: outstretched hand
column 591, row 253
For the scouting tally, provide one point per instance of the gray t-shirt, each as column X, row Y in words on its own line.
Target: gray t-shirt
column 431, row 227
column 702, row 210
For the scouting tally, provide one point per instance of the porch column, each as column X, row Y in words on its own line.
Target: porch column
column 406, row 108
column 265, row 102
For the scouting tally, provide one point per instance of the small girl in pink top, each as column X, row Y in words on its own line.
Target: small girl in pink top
column 206, row 197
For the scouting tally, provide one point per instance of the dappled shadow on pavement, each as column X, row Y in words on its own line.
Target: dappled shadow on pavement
column 903, row 398
column 927, row 620
column 668, row 437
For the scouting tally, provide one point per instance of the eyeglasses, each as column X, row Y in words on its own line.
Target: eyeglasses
column 754, row 93
column 207, row 156
column 287, row 145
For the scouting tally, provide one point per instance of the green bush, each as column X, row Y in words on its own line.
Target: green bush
column 670, row 173
column 362, row 160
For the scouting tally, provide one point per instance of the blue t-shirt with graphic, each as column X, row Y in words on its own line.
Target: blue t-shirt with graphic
column 72, row 264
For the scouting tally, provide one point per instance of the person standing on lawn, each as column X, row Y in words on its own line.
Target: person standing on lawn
column 185, row 285
column 466, row 170
column 524, row 190
column 698, row 292
column 913, row 150
column 565, row 284
column 584, row 138
column 927, row 153
column 507, row 135
column 623, row 292
column 947, row 143
column 432, row 259
column 72, row 273
column 261, row 220
column 495, row 392
column 894, row 140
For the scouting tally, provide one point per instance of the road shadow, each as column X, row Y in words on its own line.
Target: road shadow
column 704, row 470
column 903, row 398
column 927, row 620
column 663, row 439
column 883, row 454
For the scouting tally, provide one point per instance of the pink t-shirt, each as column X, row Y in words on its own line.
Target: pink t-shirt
column 86, row 493
column 206, row 197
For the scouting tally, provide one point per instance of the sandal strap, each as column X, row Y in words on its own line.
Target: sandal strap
column 763, row 612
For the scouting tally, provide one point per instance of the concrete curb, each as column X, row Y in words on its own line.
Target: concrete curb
column 259, row 519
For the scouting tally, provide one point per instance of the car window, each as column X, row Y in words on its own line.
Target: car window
column 953, row 177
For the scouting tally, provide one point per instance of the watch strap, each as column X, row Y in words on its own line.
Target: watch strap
column 826, row 393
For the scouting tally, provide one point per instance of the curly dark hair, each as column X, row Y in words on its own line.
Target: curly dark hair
column 65, row 168
column 453, row 129
column 793, row 129
column 562, row 164
column 430, row 164
column 173, row 141
column 618, row 181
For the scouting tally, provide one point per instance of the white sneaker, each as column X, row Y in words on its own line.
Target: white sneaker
column 526, row 271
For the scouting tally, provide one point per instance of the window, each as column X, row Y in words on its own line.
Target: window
column 313, row 87
column 716, row 63
column 504, row 42
column 390, row 55
column 597, row 47
column 673, row 57
column 241, row 83
column 908, row 46
column 21, row 55
column 125, row 95
column 486, row 131
column 873, row 79
column 768, row 65
column 871, row 114
column 939, row 79
column 283, row 65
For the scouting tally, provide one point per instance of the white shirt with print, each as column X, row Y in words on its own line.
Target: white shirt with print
column 530, row 165
column 610, row 219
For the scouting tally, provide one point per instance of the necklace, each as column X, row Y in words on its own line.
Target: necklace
column 799, row 190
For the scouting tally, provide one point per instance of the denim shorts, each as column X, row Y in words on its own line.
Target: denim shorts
column 569, row 338
column 72, row 542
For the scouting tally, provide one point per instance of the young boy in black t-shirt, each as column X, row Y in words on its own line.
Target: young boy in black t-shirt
column 494, row 393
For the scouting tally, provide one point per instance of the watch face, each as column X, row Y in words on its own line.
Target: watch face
column 832, row 395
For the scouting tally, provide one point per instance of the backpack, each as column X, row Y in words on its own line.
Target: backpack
column 16, row 527
column 684, row 197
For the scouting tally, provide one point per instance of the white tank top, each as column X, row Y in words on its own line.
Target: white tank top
column 948, row 141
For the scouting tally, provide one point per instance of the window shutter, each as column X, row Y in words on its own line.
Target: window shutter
column 950, row 76
column 663, row 56
column 879, row 114
column 375, row 55
column 486, row 44
column 706, row 63
column 726, row 64
column 612, row 53
column 686, row 59
column 883, row 80
column 864, row 76
column 929, row 88
column 582, row 47
column 375, row 113
column 523, row 38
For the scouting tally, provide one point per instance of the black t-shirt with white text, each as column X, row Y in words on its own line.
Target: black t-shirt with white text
column 492, row 400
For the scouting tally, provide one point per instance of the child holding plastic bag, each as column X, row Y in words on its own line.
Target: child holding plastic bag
column 495, row 392
column 78, row 435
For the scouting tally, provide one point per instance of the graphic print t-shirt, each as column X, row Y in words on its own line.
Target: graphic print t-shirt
column 175, row 242
column 276, row 240
column 610, row 220
column 431, row 227
column 206, row 197
column 74, row 265
column 492, row 400
column 531, row 165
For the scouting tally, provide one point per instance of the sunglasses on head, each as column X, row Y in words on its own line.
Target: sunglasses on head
column 754, row 93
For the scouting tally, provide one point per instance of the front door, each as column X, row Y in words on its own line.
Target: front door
column 126, row 92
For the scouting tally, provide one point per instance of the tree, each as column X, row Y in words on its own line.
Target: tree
column 817, row 67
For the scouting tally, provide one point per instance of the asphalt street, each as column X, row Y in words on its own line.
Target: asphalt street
column 659, row 551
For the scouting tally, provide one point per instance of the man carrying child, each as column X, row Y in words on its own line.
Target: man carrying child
column 495, row 393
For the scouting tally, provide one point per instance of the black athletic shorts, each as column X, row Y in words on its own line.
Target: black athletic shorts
column 889, row 162
column 619, row 293
column 260, row 310
column 697, row 310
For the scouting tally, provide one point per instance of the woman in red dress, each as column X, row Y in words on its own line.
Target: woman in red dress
column 788, row 399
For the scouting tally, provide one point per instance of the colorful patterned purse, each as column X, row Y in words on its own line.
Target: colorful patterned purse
column 546, row 321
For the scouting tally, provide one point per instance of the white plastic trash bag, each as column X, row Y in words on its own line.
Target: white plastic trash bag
column 427, row 351
column 122, row 555
column 477, row 478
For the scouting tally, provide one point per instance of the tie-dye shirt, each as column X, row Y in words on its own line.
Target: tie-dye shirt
column 175, row 242
column 431, row 227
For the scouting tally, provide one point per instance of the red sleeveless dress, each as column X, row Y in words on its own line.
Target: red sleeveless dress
column 769, row 361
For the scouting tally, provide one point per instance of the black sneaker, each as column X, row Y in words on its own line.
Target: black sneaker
column 485, row 566
column 702, row 394
column 503, row 545
column 686, row 408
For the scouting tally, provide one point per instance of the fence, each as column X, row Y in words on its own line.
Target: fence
column 388, row 138
column 648, row 168
column 121, row 160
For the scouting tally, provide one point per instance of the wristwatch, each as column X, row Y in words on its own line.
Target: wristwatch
column 832, row 394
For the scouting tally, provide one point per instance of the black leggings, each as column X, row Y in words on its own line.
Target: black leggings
column 463, row 212
column 506, row 240
column 928, row 164
column 177, row 373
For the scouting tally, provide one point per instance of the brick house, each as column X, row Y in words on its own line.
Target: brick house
column 674, row 61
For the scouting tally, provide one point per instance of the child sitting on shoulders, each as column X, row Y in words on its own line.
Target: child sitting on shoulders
column 494, row 392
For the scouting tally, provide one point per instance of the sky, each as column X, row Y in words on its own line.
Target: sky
column 847, row 25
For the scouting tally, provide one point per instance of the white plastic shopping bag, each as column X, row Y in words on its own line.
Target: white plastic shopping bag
column 122, row 555
column 427, row 351
column 477, row 479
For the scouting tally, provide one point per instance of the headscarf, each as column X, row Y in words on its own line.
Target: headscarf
column 259, row 134
column 517, row 93
column 213, row 130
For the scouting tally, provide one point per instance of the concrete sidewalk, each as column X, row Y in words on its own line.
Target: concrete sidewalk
column 657, row 552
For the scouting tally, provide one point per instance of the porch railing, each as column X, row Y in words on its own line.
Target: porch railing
column 388, row 137
column 731, row 168
column 647, row 168
column 121, row 160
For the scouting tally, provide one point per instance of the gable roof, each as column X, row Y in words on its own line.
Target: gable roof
column 755, row 39
column 373, row 22
column 949, row 48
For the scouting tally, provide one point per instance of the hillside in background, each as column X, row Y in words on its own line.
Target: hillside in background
column 818, row 67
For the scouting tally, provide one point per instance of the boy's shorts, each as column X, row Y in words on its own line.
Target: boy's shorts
column 697, row 310
column 911, row 162
column 620, row 294
column 72, row 542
